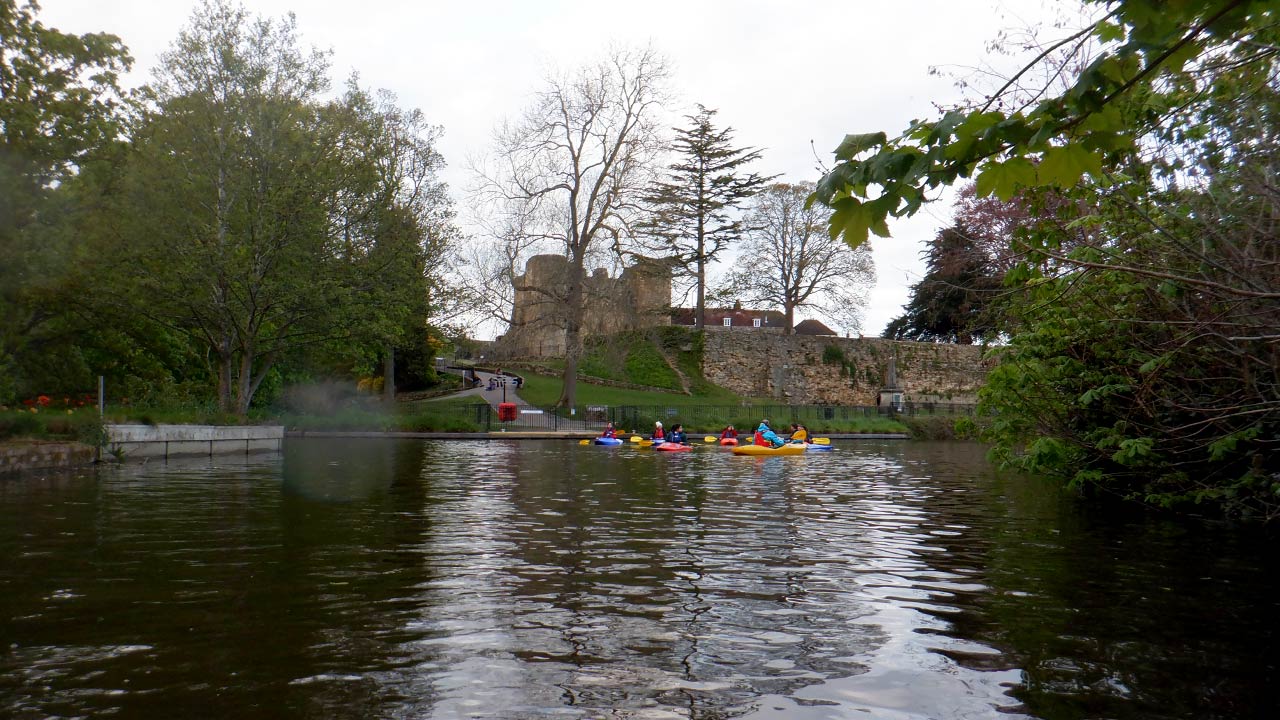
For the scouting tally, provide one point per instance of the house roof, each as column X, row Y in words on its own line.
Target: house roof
column 813, row 327
column 741, row 317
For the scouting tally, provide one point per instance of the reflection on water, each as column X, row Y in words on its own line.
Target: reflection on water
column 550, row 580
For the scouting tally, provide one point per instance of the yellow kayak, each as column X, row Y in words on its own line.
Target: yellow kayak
column 787, row 449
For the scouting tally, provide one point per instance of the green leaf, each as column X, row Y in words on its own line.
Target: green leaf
column 1004, row 179
column 1062, row 166
column 854, row 144
column 1108, row 31
column 852, row 220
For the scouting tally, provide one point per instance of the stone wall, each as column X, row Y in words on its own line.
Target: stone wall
column 39, row 455
column 792, row 368
column 639, row 297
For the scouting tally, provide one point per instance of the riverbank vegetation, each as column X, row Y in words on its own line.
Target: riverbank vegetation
column 1142, row 300
column 234, row 227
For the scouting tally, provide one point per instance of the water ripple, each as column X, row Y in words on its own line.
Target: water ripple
column 549, row 580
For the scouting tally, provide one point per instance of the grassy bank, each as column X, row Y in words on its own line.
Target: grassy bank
column 79, row 425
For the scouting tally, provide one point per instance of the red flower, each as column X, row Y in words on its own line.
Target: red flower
column 43, row 400
column 28, row 402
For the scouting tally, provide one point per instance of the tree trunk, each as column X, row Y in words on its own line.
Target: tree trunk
column 389, row 375
column 244, row 383
column 225, row 360
column 789, row 319
column 700, row 308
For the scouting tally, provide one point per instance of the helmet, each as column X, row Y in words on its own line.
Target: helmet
column 658, row 424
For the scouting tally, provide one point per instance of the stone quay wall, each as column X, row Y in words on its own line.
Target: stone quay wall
column 19, row 456
column 177, row 440
column 800, row 370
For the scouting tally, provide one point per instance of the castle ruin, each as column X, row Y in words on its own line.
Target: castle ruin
column 639, row 297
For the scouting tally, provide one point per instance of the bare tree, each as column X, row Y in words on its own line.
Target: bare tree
column 578, row 162
column 490, row 264
column 789, row 260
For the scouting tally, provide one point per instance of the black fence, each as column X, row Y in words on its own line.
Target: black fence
column 704, row 418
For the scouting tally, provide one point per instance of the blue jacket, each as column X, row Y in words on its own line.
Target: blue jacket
column 773, row 438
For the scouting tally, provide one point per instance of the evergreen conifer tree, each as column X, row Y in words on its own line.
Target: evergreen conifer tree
column 694, row 210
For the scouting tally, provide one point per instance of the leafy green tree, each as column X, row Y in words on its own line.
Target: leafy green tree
column 262, row 221
column 788, row 260
column 59, row 104
column 1144, row 364
column 695, row 209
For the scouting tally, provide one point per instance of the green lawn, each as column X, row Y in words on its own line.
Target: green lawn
column 543, row 391
column 703, row 413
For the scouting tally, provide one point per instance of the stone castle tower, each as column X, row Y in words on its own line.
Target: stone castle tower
column 640, row 297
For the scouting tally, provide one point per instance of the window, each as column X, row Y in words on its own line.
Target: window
column 755, row 322
column 728, row 322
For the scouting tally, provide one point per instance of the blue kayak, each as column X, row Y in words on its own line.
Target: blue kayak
column 607, row 441
column 810, row 447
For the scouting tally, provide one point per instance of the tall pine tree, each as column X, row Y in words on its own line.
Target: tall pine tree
column 695, row 210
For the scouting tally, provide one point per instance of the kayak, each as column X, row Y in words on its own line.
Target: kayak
column 672, row 447
column 762, row 450
column 816, row 446
column 728, row 441
column 607, row 441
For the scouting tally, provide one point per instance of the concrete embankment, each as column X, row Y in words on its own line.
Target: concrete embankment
column 137, row 441
column 23, row 455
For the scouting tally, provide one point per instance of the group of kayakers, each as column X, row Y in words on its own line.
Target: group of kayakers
column 764, row 435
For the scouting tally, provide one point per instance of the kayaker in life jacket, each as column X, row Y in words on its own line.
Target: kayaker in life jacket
column 799, row 434
column 658, row 435
column 728, row 433
column 765, row 436
column 609, row 432
column 678, row 436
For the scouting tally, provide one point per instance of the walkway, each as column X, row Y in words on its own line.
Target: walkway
column 504, row 391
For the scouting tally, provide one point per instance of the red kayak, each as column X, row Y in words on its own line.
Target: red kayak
column 728, row 441
column 672, row 447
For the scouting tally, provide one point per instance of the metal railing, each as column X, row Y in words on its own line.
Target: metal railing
column 702, row 418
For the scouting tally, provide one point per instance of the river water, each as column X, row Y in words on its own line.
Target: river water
column 451, row 579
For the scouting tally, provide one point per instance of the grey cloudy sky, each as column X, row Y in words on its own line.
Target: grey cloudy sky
column 790, row 77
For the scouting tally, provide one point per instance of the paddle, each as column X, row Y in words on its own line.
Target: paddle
column 636, row 439
column 584, row 442
column 709, row 439
column 646, row 443
column 822, row 441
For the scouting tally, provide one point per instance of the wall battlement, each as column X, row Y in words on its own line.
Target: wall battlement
column 639, row 297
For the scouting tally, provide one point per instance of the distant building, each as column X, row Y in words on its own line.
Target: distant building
column 813, row 327
column 734, row 317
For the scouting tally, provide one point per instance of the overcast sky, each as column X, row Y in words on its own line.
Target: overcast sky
column 791, row 77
